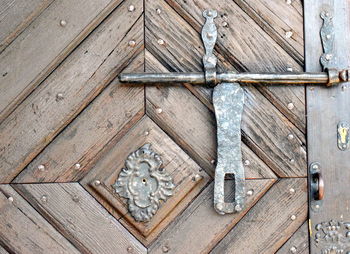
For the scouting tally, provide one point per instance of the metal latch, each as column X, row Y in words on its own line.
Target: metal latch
column 228, row 99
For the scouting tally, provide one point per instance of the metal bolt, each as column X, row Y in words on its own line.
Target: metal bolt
column 289, row 34
column 161, row 42
column 131, row 8
column 159, row 11
column 238, row 208
column 293, row 249
column 290, row 105
column 10, row 199
column 250, row 192
column 59, row 97
column 290, row 136
column 328, row 57
column 293, row 217
column 290, row 69
column 165, row 249
column 41, row 167
column 77, row 166
column 246, row 162
column 291, row 191
column 196, row 178
column 159, row 110
column 224, row 24
column 97, row 182
column 63, row 23
column 44, row 199
column 132, row 43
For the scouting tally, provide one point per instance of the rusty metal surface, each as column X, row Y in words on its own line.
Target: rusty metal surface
column 228, row 100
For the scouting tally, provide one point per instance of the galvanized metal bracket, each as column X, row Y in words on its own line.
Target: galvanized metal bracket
column 144, row 183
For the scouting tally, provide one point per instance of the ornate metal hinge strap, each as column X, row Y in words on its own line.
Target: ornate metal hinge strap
column 144, row 183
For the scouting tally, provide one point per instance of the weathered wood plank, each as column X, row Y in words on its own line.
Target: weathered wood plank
column 24, row 230
column 247, row 47
column 177, row 163
column 83, row 139
column 16, row 15
column 185, row 234
column 82, row 220
column 29, row 59
column 326, row 107
column 3, row 251
column 286, row 157
column 282, row 20
column 81, row 77
column 271, row 221
column 298, row 243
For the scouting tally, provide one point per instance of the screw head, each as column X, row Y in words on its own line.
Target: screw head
column 131, row 8
column 250, row 192
column 10, row 199
column 77, row 166
column 288, row 34
column 132, row 43
column 293, row 249
column 293, row 217
column 246, row 162
column 291, row 191
column 159, row 110
column 44, row 199
column 41, row 167
column 161, row 42
column 290, row 105
column 315, row 166
column 59, row 97
column 328, row 36
column 290, row 136
column 63, row 23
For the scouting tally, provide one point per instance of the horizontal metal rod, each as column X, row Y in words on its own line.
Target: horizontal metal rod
column 247, row 77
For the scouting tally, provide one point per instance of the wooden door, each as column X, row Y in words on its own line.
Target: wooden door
column 68, row 125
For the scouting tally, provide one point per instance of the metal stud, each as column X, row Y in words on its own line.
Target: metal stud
column 291, row 191
column 288, row 1
column 131, row 8
column 165, row 249
column 293, row 249
column 41, row 167
column 293, row 217
column 63, row 23
column 290, row 105
column 290, row 136
column 219, row 206
column 291, row 160
column 146, row 133
column 132, row 43
column 159, row 110
column 196, row 178
column 246, row 162
column 97, row 182
column 159, row 11
column 43, row 199
column 328, row 36
column 129, row 249
column 161, row 42
column 77, row 166
column 10, row 199
column 224, row 24
column 212, row 161
column 59, row 97
column 328, row 57
column 289, row 34
column 250, row 192
column 289, row 69
column 210, row 36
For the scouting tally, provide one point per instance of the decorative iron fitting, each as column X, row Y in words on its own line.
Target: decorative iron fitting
column 327, row 59
column 144, row 183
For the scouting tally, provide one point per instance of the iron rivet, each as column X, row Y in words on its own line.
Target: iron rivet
column 246, row 162
column 75, row 198
column 291, row 191
column 224, row 24
column 293, row 217
column 10, row 199
column 146, row 133
column 196, row 178
column 77, row 166
column 41, row 167
column 161, row 42
column 291, row 160
column 288, row 1
column 97, row 182
column 289, row 34
column 132, row 43
column 329, row 57
column 210, row 13
column 131, row 8
column 129, row 249
column 289, row 69
column 63, row 23
column 44, row 199
column 165, row 249
column 328, row 36
column 212, row 161
column 290, row 136
column 290, row 105
column 159, row 110
column 315, row 166
column 293, row 249
column 327, row 14
column 238, row 208
column 59, row 96
column 158, row 11
column 250, row 192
